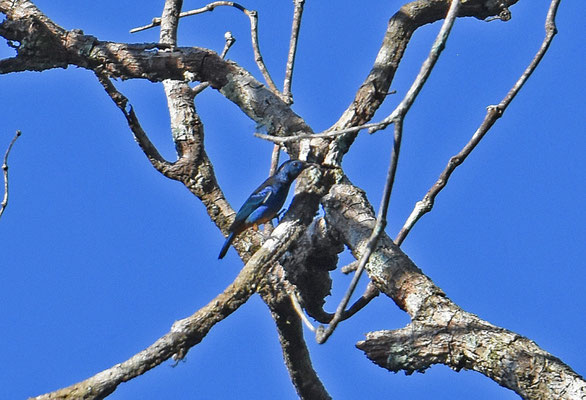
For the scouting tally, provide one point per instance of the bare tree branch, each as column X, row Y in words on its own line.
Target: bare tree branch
column 183, row 335
column 252, row 16
column 325, row 317
column 396, row 117
column 400, row 28
column 4, row 202
column 190, row 331
column 435, row 315
column 458, row 339
column 208, row 7
column 149, row 149
column 461, row 341
column 322, row 333
column 45, row 45
column 274, row 293
column 494, row 112
column 297, row 13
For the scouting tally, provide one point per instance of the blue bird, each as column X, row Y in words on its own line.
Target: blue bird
column 265, row 202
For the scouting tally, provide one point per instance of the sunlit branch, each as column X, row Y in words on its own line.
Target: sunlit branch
column 5, row 172
column 183, row 335
column 494, row 112
column 300, row 313
column 297, row 13
column 252, row 16
column 274, row 159
column 396, row 117
column 403, row 107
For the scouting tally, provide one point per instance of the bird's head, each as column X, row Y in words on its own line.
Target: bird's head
column 292, row 168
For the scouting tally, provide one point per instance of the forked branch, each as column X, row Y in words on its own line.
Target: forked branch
column 396, row 117
column 253, row 18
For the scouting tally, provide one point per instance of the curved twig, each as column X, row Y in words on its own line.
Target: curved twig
column 4, row 202
column 209, row 7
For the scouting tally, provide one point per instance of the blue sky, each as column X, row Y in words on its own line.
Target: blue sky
column 100, row 254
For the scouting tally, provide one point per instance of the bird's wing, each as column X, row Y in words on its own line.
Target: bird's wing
column 257, row 199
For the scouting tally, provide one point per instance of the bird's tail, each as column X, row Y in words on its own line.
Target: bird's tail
column 226, row 245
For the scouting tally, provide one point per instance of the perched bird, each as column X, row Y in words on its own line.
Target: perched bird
column 265, row 202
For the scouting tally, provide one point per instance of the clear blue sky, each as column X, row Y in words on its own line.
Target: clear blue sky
column 100, row 254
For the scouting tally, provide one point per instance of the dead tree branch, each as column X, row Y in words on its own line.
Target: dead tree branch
column 298, row 12
column 274, row 293
column 253, row 18
column 465, row 338
column 397, row 117
column 493, row 113
column 4, row 202
column 349, row 218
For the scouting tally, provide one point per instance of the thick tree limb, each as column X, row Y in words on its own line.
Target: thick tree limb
column 45, row 45
column 188, row 137
column 400, row 28
column 253, row 18
column 188, row 332
column 463, row 341
column 440, row 331
column 274, row 293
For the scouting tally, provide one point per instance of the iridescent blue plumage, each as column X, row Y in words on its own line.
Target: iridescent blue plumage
column 265, row 202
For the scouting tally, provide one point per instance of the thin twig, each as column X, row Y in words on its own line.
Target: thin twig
column 209, row 7
column 149, row 149
column 374, row 126
column 396, row 117
column 297, row 13
column 230, row 40
column 407, row 101
column 322, row 333
column 494, row 112
column 252, row 16
column 5, row 171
